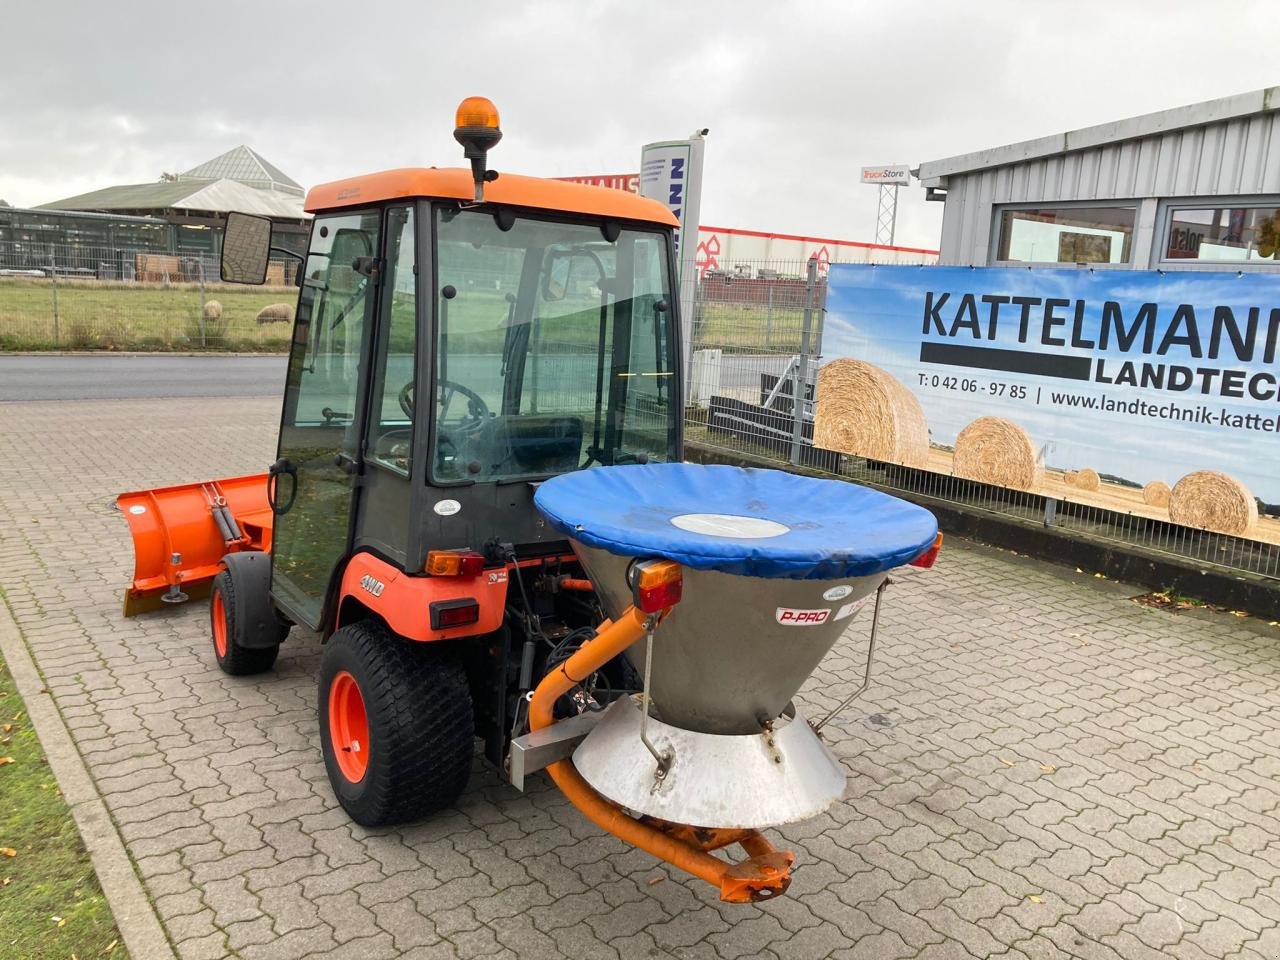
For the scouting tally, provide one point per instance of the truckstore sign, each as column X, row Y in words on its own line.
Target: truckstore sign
column 1151, row 394
column 893, row 173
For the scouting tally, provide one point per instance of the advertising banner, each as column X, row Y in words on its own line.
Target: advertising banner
column 629, row 182
column 1141, row 392
column 671, row 173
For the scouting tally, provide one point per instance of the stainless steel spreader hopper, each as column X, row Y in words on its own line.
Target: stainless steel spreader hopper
column 725, row 587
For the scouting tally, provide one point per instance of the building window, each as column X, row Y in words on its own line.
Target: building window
column 1221, row 233
column 1067, row 235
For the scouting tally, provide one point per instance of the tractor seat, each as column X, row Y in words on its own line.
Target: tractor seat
column 528, row 443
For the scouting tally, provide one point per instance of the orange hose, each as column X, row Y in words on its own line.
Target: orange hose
column 589, row 658
column 572, row 583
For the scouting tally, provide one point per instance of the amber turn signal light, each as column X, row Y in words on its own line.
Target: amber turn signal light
column 927, row 559
column 453, row 563
column 656, row 584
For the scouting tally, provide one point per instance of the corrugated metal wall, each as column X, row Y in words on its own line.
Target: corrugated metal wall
column 1236, row 157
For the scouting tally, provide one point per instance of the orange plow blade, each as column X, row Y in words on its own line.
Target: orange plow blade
column 180, row 535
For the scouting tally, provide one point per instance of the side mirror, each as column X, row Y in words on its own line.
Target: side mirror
column 246, row 245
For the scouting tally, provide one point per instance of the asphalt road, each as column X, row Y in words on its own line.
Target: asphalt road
column 29, row 377
column 125, row 377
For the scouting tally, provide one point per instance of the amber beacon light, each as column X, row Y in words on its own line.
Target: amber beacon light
column 477, row 130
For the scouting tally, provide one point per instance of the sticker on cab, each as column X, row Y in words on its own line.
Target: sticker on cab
column 447, row 508
column 789, row 617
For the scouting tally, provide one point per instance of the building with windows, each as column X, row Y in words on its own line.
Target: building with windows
column 1196, row 187
column 94, row 245
column 101, row 233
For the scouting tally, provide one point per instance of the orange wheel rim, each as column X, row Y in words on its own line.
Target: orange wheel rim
column 218, row 614
column 348, row 727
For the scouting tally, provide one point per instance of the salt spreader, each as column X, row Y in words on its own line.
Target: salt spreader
column 479, row 505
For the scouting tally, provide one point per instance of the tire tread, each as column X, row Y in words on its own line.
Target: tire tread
column 423, row 704
column 240, row 661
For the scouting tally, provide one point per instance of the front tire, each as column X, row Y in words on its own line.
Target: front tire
column 229, row 633
column 396, row 725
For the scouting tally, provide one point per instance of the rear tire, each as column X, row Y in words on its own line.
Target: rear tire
column 411, row 702
column 229, row 634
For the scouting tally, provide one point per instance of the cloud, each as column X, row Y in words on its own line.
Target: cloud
column 797, row 98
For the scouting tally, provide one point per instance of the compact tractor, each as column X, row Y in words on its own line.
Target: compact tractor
column 479, row 504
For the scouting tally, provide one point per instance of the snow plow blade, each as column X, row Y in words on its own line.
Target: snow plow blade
column 180, row 535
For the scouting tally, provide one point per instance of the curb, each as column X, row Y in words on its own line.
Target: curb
column 139, row 926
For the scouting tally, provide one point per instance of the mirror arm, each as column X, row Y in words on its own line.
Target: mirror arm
column 299, row 258
column 288, row 253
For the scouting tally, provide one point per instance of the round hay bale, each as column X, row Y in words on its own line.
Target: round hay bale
column 1212, row 500
column 1086, row 479
column 1156, row 494
column 276, row 313
column 995, row 450
column 865, row 411
column 212, row 310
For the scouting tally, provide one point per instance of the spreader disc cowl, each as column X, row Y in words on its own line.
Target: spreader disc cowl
column 747, row 781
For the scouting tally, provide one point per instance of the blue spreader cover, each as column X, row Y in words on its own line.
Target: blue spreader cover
column 834, row 530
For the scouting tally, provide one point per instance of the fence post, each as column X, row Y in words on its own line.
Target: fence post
column 53, row 273
column 1050, row 511
column 768, row 320
column 204, row 343
column 802, row 366
column 820, row 305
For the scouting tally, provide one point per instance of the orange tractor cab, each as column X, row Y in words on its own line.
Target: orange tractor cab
column 462, row 338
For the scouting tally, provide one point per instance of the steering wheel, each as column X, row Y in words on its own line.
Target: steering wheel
column 477, row 409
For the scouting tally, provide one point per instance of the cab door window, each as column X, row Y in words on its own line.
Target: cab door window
column 390, row 441
column 319, row 431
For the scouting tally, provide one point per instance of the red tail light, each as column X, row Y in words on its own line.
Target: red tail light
column 454, row 613
column 926, row 559
column 656, row 584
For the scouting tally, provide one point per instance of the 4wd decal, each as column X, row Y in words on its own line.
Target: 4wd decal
column 372, row 584
column 801, row 618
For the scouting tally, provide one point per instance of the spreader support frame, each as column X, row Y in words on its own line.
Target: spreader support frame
column 765, row 874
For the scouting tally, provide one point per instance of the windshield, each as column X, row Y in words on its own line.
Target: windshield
column 554, row 349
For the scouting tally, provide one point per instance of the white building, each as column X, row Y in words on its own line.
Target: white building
column 1196, row 187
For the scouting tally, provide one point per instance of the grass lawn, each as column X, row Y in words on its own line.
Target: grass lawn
column 750, row 327
column 94, row 315
column 50, row 903
column 99, row 315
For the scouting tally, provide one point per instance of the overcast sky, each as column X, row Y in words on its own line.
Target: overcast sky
column 797, row 96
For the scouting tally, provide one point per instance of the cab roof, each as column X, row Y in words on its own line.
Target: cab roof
column 517, row 191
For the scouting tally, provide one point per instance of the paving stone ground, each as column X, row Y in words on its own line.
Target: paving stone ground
column 1043, row 768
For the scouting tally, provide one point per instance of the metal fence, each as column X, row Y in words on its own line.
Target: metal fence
column 79, row 297
column 757, row 346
